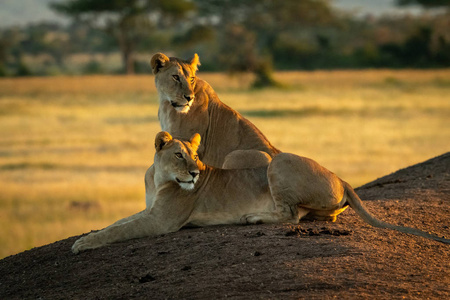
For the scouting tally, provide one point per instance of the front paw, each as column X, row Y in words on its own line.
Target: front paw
column 79, row 245
column 85, row 243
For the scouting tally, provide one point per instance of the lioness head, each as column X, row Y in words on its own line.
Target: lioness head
column 177, row 160
column 175, row 80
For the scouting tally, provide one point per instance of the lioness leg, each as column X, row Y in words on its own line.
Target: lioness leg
column 282, row 214
column 105, row 236
column 300, row 187
column 327, row 215
column 135, row 226
column 284, row 194
column 150, row 193
column 149, row 222
column 246, row 159
column 139, row 225
column 150, row 189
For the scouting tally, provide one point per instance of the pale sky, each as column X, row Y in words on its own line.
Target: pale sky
column 20, row 12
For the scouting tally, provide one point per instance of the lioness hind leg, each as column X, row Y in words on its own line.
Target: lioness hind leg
column 329, row 216
column 312, row 217
column 281, row 215
column 245, row 159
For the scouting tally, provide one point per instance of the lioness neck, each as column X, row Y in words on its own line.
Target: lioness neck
column 223, row 129
column 184, row 125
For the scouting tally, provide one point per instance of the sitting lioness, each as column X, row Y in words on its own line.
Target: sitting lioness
column 190, row 192
column 188, row 105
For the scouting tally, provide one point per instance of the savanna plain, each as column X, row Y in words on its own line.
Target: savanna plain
column 74, row 150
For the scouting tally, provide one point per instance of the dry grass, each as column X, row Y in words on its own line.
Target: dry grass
column 73, row 150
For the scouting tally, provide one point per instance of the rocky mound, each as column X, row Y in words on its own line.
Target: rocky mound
column 314, row 260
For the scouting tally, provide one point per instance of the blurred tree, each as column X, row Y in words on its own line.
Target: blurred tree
column 23, row 69
column 432, row 41
column 425, row 3
column 195, row 35
column 417, row 47
column 249, row 29
column 11, row 55
column 85, row 38
column 47, row 38
column 4, row 48
column 128, row 21
column 5, row 45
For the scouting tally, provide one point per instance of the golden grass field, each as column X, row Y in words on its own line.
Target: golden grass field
column 74, row 150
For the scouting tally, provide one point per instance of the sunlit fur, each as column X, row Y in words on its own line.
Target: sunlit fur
column 175, row 80
column 223, row 130
column 178, row 160
column 290, row 188
column 300, row 187
column 218, row 196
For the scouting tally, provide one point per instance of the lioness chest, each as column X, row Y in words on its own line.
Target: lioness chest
column 183, row 125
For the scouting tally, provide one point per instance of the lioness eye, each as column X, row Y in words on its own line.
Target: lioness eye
column 176, row 77
column 179, row 155
column 196, row 157
column 192, row 79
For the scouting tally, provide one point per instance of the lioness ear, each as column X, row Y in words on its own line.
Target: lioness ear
column 162, row 139
column 195, row 62
column 195, row 141
column 158, row 62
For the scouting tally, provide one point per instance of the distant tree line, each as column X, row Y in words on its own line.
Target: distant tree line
column 229, row 35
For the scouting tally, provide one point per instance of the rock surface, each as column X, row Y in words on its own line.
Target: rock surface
column 312, row 260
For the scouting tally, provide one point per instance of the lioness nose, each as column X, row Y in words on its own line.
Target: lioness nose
column 189, row 97
column 194, row 173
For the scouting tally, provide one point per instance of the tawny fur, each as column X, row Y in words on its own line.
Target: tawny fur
column 223, row 130
column 189, row 105
column 301, row 187
column 190, row 192
column 219, row 196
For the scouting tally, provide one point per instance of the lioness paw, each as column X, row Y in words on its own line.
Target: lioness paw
column 78, row 246
column 83, row 244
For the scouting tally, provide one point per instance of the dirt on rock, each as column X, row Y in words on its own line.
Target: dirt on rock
column 347, row 259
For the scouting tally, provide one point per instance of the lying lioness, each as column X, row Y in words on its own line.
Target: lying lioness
column 190, row 192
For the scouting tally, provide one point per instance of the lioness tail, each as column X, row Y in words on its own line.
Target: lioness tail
column 355, row 202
